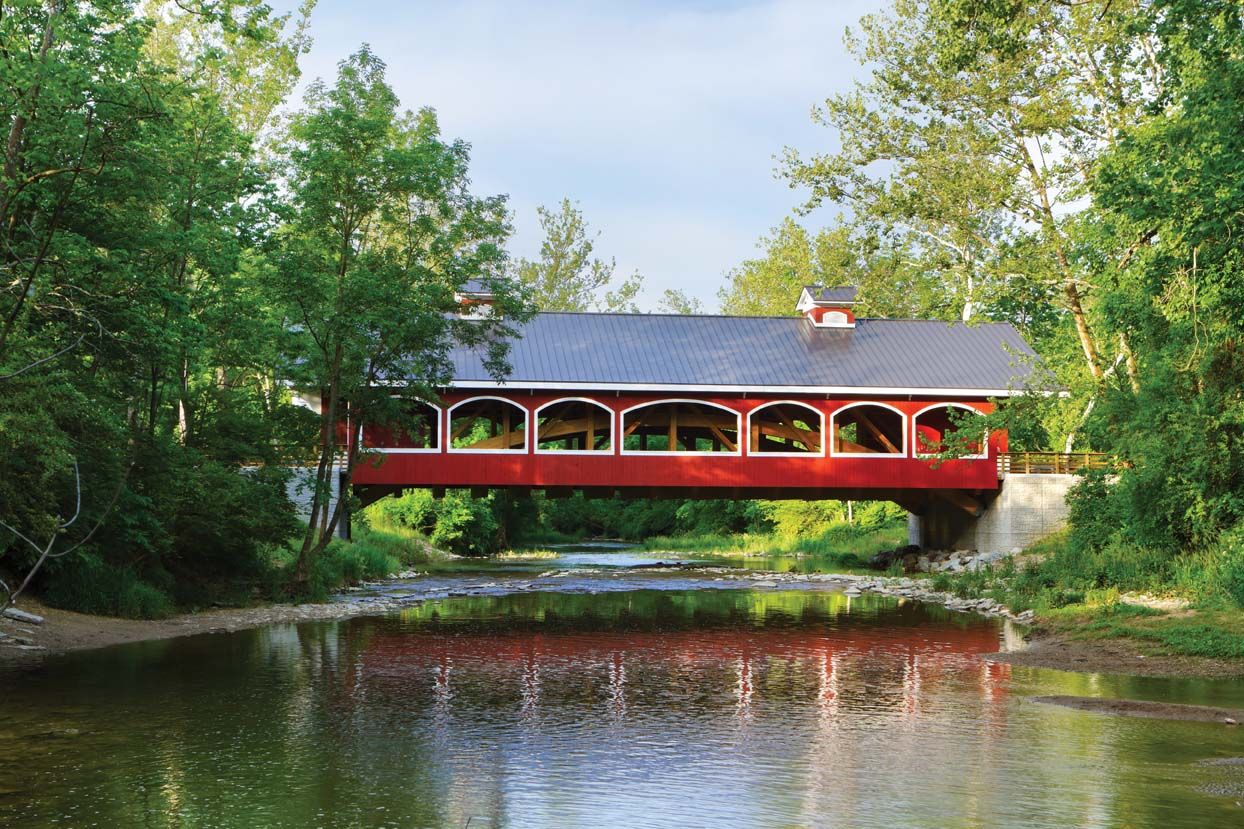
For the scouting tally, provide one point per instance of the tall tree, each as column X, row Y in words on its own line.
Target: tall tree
column 1177, row 177
column 974, row 140
column 379, row 233
column 123, row 194
column 674, row 301
column 566, row 277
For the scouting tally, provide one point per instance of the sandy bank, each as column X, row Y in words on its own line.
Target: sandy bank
column 1151, row 710
column 1113, row 656
column 64, row 630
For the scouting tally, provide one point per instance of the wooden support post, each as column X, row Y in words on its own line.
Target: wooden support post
column 867, row 423
column 962, row 500
column 465, row 427
column 591, row 426
column 673, row 428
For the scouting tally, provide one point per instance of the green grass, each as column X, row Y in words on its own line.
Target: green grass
column 374, row 552
column 844, row 546
column 87, row 584
column 1083, row 594
column 526, row 555
column 544, row 535
column 1215, row 634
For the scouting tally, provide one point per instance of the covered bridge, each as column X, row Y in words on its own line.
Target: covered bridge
column 819, row 405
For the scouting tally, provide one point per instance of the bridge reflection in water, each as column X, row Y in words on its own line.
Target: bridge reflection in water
column 751, row 646
column 795, row 688
column 640, row 709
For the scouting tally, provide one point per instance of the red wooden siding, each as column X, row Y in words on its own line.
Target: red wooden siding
column 613, row 469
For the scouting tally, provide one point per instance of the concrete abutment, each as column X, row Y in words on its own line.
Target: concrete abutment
column 1025, row 509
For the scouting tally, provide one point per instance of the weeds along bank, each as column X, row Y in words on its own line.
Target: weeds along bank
column 94, row 586
column 1188, row 602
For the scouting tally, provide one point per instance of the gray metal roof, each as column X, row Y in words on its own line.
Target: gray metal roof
column 475, row 286
column 592, row 350
column 839, row 293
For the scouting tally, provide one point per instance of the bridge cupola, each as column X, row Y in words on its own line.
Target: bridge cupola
column 475, row 299
column 828, row 307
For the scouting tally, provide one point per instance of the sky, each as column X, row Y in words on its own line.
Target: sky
column 662, row 120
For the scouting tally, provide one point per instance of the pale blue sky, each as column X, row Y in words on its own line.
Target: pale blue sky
column 662, row 120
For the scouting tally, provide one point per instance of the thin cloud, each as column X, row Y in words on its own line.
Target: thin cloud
column 662, row 120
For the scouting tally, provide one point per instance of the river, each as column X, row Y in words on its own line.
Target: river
column 585, row 692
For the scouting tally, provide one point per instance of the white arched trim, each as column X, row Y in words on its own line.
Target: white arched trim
column 449, row 425
column 833, row 420
column 915, row 435
column 439, row 426
column 613, row 443
column 738, row 421
column 820, row 427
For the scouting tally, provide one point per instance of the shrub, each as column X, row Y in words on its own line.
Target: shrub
column 456, row 522
column 88, row 584
column 344, row 563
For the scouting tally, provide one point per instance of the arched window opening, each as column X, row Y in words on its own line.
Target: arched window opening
column 418, row 430
column 680, row 426
column 868, row 429
column 574, row 426
column 784, row 428
column 936, row 424
column 488, row 425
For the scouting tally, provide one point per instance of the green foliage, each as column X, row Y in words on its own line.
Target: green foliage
column 87, row 584
column 457, row 522
column 674, row 301
column 566, row 277
column 379, row 233
column 348, row 562
column 791, row 258
column 836, row 546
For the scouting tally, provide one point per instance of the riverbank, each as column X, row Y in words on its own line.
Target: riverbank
column 1046, row 645
column 845, row 544
column 65, row 630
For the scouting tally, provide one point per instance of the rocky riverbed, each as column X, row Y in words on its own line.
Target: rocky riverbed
column 915, row 589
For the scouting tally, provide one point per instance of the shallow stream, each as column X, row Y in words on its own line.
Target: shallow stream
column 588, row 691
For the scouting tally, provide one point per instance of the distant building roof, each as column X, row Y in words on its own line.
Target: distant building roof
column 723, row 353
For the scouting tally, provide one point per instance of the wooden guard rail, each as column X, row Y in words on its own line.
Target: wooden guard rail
column 1050, row 463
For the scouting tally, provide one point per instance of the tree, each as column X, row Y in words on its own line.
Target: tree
column 379, row 232
column 126, row 200
column 566, row 277
column 234, row 62
column 792, row 258
column 674, row 301
column 973, row 143
column 1175, row 177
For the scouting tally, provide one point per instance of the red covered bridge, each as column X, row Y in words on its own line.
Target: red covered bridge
column 819, row 405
